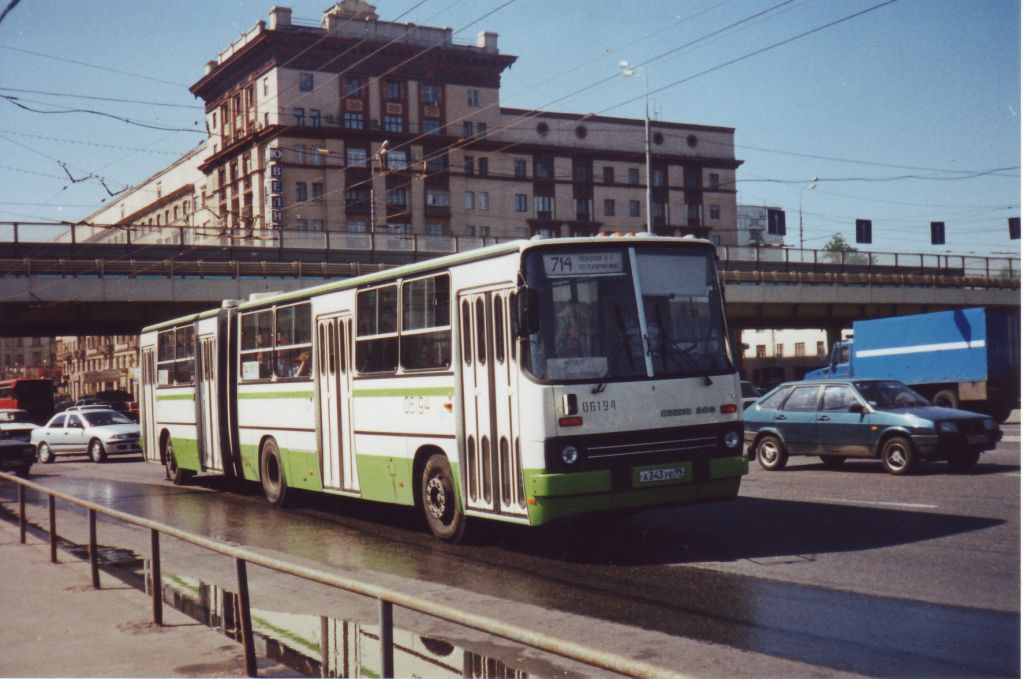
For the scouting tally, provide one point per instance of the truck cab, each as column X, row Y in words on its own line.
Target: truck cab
column 838, row 366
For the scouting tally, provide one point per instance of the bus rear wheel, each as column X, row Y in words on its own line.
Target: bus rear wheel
column 441, row 508
column 272, row 474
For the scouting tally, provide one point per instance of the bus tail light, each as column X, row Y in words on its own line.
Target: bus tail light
column 570, row 421
column 728, row 408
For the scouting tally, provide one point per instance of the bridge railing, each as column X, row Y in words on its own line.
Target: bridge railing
column 142, row 242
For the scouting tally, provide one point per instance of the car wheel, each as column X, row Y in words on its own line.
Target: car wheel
column 771, row 454
column 833, row 461
column 947, row 398
column 176, row 474
column 96, row 452
column 441, row 508
column 964, row 461
column 272, row 474
column 898, row 455
column 45, row 454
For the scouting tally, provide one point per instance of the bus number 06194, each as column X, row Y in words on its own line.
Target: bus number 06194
column 598, row 406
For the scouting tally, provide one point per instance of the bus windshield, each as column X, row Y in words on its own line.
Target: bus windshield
column 594, row 303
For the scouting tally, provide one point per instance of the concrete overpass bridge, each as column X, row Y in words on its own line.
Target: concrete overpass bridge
column 104, row 288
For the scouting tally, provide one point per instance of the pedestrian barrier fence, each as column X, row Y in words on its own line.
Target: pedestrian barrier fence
column 387, row 598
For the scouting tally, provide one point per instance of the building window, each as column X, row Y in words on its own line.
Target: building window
column 300, row 192
column 355, row 226
column 354, row 86
column 799, row 349
column 519, row 168
column 540, row 170
column 394, row 124
column 716, row 211
column 305, row 82
column 314, row 117
column 470, row 230
column 300, row 154
column 658, row 178
column 481, row 130
column 485, row 231
column 693, row 211
column 470, row 200
column 392, row 90
column 318, row 225
column 301, row 225
column 355, row 157
column 318, row 192
column 472, row 97
column 430, row 94
column 608, row 174
column 468, row 166
column 397, row 197
column 634, row 176
column 483, row 200
column 431, row 126
column 634, row 208
column 353, row 121
column 779, row 350
column 761, row 351
column 482, row 167
column 521, row 202
column 300, row 116
column 659, row 210
column 437, row 198
column 266, row 87
column 821, row 349
column 467, row 130
column 543, row 206
column 398, row 160
column 609, row 207
column 436, row 163
column 713, row 180
column 435, row 229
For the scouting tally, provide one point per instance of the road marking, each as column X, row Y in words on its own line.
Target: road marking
column 904, row 505
column 1011, row 439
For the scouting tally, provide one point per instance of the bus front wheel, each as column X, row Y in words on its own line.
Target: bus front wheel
column 440, row 505
column 272, row 474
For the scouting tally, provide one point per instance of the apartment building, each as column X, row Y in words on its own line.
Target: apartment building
column 91, row 364
column 27, row 357
column 353, row 125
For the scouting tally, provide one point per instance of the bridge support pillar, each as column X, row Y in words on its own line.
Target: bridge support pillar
column 736, row 343
column 833, row 333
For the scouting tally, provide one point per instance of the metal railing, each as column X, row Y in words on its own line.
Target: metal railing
column 387, row 598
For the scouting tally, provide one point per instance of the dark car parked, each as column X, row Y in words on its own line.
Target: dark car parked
column 880, row 419
column 16, row 456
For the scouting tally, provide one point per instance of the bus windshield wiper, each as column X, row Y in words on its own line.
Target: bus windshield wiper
column 623, row 342
column 670, row 349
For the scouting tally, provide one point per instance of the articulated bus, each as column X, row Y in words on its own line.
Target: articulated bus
column 524, row 382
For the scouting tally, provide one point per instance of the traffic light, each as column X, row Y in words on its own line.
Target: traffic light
column 1014, row 228
column 863, row 230
column 938, row 233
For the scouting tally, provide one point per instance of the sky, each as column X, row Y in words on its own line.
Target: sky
column 899, row 111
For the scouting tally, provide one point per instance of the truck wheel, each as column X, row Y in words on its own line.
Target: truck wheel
column 898, row 455
column 964, row 461
column 947, row 398
column 771, row 454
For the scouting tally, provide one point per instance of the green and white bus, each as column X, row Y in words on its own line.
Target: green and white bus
column 525, row 382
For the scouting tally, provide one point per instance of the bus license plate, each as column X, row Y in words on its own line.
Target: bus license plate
column 656, row 475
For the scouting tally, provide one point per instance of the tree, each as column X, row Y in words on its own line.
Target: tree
column 839, row 251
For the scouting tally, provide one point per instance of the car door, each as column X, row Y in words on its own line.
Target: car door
column 74, row 435
column 796, row 420
column 53, row 433
column 841, row 432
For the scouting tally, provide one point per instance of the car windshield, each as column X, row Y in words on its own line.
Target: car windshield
column 890, row 395
column 626, row 313
column 105, row 417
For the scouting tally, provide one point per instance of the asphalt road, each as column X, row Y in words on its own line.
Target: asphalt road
column 811, row 571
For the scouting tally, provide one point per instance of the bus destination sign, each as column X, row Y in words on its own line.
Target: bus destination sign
column 583, row 264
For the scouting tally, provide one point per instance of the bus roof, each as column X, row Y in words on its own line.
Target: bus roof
column 469, row 256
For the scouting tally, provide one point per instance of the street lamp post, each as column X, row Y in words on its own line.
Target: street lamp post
column 808, row 187
column 629, row 72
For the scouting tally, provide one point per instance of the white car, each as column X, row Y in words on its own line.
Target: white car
column 16, row 424
column 96, row 432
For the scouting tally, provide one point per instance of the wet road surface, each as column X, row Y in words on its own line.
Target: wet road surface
column 659, row 571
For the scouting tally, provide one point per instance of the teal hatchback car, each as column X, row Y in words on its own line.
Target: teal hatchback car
column 880, row 419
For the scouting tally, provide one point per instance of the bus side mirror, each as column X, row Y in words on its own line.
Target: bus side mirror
column 527, row 312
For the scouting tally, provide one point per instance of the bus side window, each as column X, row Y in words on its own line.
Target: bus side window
column 426, row 338
column 376, row 329
column 256, row 350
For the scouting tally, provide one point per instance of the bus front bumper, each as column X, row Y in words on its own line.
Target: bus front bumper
column 560, row 495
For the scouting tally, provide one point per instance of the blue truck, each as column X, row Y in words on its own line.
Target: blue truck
column 966, row 358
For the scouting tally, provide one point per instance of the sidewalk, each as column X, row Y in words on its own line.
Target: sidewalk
column 57, row 625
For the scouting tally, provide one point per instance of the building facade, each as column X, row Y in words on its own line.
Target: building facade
column 92, row 364
column 28, row 357
column 357, row 126
column 773, row 356
column 760, row 225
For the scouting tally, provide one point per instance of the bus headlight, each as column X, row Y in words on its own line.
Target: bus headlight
column 731, row 439
column 570, row 455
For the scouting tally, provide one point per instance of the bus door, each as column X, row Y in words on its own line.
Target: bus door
column 489, row 387
column 334, row 389
column 148, row 405
column 206, row 397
